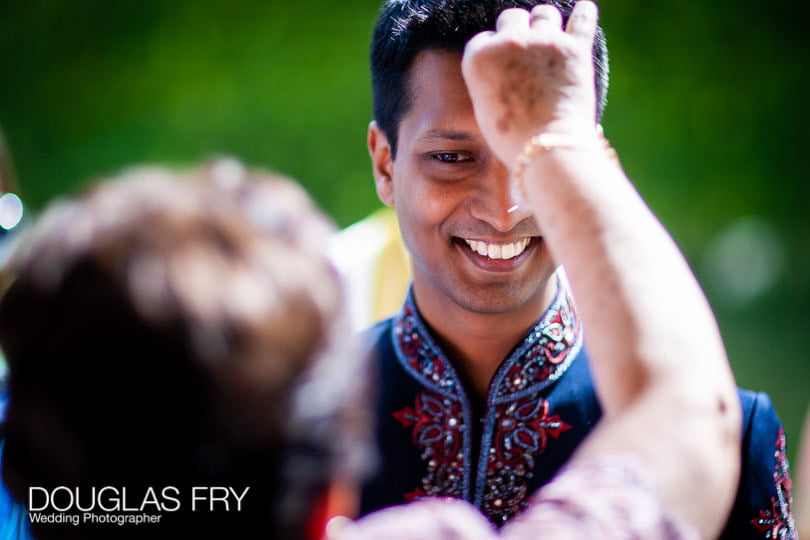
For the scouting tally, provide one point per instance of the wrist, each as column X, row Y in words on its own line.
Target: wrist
column 572, row 128
column 549, row 142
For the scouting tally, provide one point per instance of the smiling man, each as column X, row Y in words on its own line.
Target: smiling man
column 485, row 386
column 481, row 270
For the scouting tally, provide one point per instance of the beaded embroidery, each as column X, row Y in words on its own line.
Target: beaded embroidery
column 777, row 521
column 516, row 425
column 437, row 430
column 522, row 431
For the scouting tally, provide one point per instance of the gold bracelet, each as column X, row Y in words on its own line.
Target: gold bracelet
column 543, row 142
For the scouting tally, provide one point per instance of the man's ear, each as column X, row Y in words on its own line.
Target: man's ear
column 382, row 164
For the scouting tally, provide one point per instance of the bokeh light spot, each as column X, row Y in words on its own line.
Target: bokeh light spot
column 11, row 211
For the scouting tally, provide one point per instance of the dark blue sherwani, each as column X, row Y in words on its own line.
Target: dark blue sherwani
column 436, row 439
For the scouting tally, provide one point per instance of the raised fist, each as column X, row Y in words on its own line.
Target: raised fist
column 530, row 76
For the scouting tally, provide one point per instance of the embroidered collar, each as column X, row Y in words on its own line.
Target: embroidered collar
column 517, row 423
column 541, row 357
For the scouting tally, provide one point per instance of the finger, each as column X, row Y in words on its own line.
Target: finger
column 546, row 18
column 477, row 42
column 512, row 19
column 582, row 22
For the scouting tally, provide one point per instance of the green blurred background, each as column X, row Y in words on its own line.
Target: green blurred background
column 707, row 108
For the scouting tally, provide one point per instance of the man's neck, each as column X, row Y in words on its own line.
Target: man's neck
column 477, row 343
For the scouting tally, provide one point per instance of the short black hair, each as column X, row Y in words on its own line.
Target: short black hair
column 406, row 27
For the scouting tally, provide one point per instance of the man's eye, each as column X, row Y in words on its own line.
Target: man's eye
column 451, row 157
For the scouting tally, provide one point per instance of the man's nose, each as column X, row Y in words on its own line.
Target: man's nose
column 497, row 200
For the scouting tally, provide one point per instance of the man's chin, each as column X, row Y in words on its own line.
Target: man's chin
column 498, row 299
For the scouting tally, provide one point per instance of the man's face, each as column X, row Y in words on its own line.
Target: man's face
column 470, row 242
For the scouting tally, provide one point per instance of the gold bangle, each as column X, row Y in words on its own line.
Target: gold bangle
column 543, row 142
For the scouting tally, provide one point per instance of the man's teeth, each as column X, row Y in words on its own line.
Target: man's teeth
column 499, row 251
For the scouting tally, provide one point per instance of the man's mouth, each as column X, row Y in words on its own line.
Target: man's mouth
column 498, row 251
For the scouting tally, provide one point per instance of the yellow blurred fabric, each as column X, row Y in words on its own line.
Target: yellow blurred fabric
column 375, row 266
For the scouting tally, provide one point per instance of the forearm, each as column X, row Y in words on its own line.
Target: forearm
column 644, row 312
column 656, row 354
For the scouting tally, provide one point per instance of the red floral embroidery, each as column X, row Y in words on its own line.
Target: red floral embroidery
column 554, row 346
column 776, row 522
column 415, row 495
column 436, row 423
column 516, row 426
column 521, row 434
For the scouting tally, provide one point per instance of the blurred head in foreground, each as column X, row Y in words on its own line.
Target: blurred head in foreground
column 179, row 330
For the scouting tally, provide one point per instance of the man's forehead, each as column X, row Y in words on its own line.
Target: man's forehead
column 435, row 68
column 440, row 106
column 447, row 134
